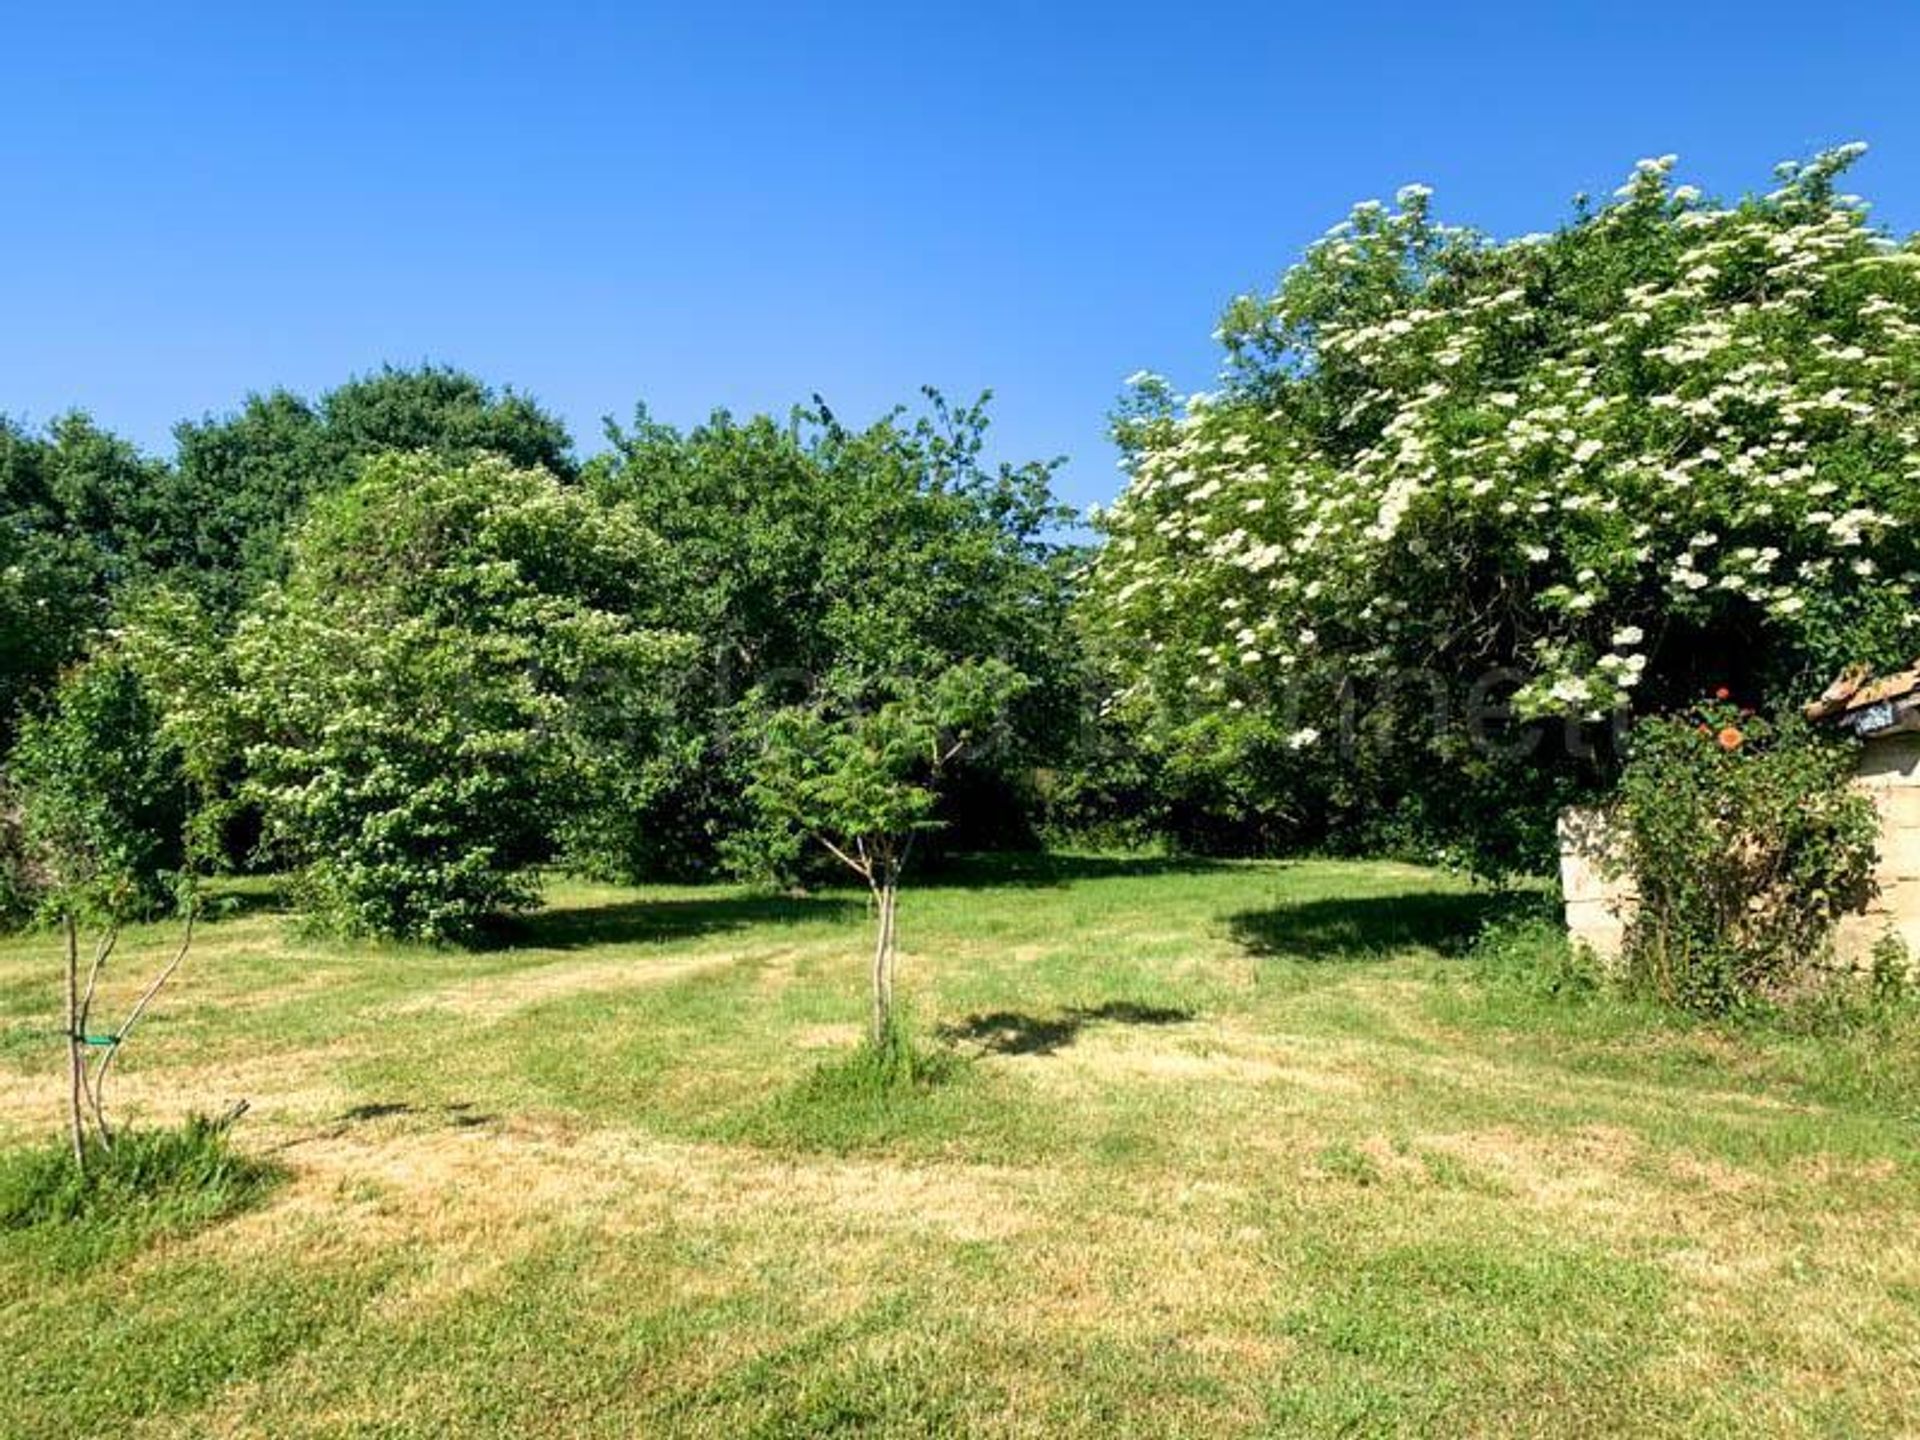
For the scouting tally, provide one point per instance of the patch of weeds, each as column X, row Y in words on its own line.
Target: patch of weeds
column 1881, row 996
column 868, row 1095
column 149, row 1182
column 879, row 1077
column 1343, row 1161
column 1531, row 951
column 898, row 1064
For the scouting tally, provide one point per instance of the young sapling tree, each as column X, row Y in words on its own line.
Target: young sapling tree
column 104, row 813
column 861, row 775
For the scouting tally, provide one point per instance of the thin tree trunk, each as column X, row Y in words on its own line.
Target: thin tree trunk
column 886, row 970
column 882, row 964
column 76, row 1052
column 133, row 1018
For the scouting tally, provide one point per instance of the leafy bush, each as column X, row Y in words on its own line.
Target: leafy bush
column 103, row 799
column 1746, row 845
column 459, row 661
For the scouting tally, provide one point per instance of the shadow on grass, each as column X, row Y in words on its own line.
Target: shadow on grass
column 1039, row 869
column 1009, row 1032
column 653, row 922
column 459, row 1114
column 1366, row 928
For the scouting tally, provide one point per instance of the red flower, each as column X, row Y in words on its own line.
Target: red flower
column 1723, row 693
column 1731, row 739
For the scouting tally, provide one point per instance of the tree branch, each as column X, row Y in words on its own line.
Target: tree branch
column 140, row 1005
column 859, row 867
column 101, row 952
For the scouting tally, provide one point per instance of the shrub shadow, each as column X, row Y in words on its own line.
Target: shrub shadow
column 1366, row 928
column 1041, row 870
column 654, row 922
column 460, row 1114
column 1012, row 1032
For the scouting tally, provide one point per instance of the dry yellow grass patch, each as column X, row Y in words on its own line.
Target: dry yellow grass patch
column 284, row 1089
column 494, row 997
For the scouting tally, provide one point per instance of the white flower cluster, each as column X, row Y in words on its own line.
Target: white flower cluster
column 1438, row 450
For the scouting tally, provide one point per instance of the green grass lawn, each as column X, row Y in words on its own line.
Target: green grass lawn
column 1236, row 1148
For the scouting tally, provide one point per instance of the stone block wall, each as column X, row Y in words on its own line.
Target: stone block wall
column 1890, row 774
column 1598, row 908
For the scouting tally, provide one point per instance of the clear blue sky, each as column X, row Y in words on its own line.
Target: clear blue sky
column 741, row 205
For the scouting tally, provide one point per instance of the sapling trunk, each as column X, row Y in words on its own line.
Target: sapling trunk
column 76, row 1054
column 886, row 893
column 87, row 1082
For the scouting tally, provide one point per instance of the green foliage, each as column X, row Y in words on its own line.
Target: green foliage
column 1530, row 950
column 243, row 480
column 862, row 771
column 448, row 412
column 103, row 799
column 1746, row 845
column 815, row 562
column 148, row 1182
column 872, row 1095
column 459, row 661
column 76, row 509
column 1890, row 973
column 870, row 1073
column 22, row 879
column 180, row 650
column 84, row 516
column 1565, row 476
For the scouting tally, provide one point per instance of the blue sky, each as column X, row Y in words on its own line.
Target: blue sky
column 743, row 205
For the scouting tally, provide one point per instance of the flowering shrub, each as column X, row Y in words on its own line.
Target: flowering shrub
column 1746, row 845
column 1673, row 442
column 458, row 663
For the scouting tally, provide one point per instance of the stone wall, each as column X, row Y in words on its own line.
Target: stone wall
column 1890, row 773
column 1598, row 908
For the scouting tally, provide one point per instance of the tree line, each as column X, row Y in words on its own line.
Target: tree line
column 405, row 645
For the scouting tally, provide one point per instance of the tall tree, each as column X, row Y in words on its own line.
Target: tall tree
column 243, row 479
column 809, row 553
column 1671, row 446
column 78, row 517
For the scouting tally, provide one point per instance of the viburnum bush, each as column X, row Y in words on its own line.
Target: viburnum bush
column 1673, row 443
column 462, row 662
column 1745, row 846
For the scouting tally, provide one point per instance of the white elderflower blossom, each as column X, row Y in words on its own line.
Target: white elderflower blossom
column 1786, row 434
